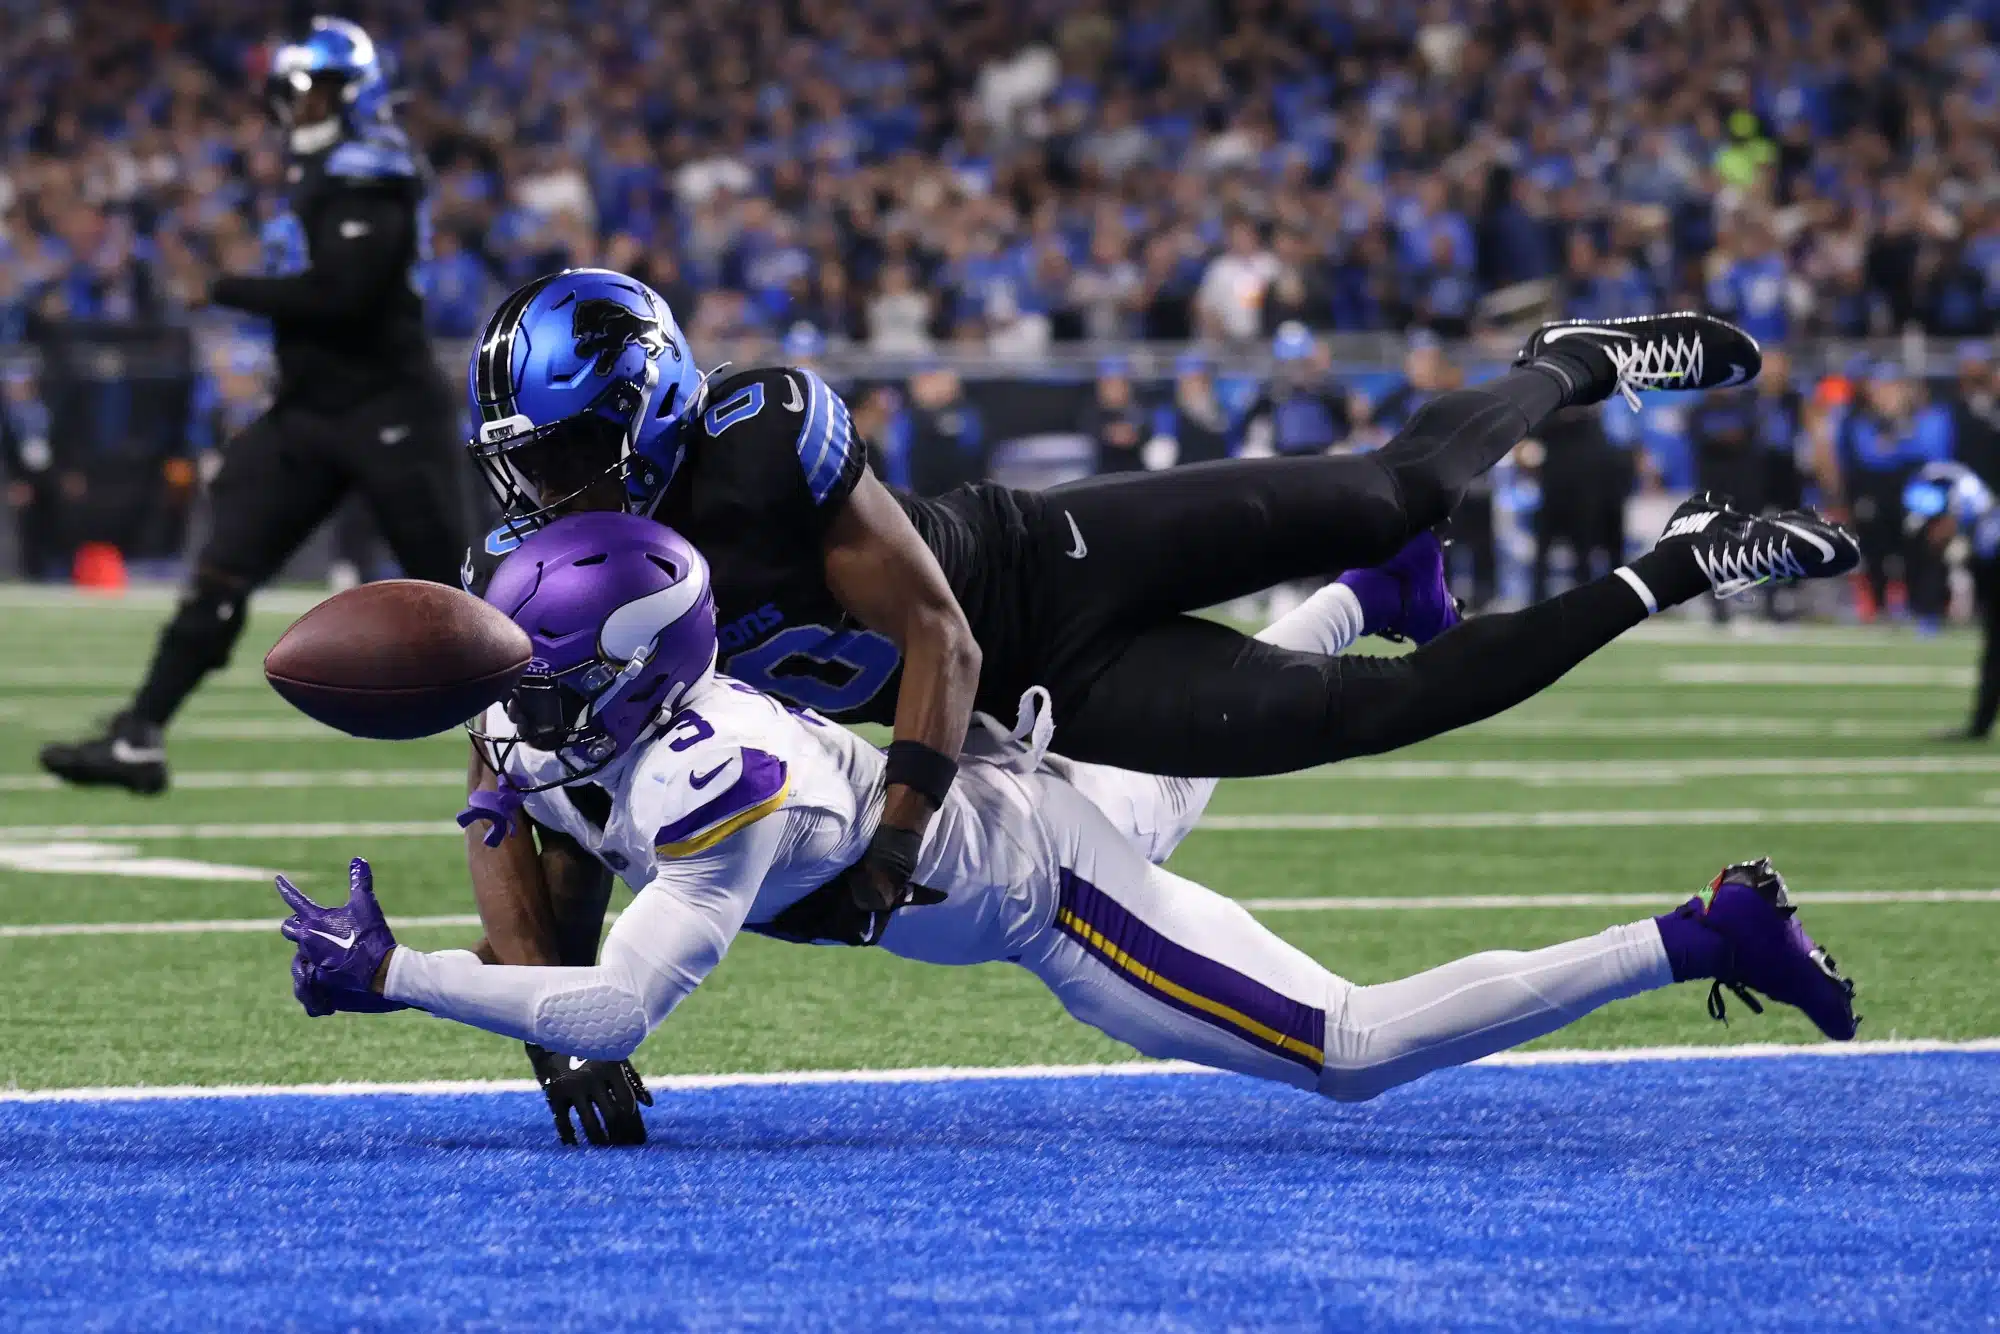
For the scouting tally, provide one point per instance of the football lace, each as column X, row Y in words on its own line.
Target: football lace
column 1738, row 566
column 1656, row 363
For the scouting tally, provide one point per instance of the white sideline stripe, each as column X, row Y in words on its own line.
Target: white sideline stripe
column 1296, row 823
column 949, row 1074
column 1357, row 903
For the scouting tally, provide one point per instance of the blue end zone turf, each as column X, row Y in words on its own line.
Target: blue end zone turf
column 1748, row 1195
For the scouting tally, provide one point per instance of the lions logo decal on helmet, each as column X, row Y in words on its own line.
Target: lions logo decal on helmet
column 604, row 329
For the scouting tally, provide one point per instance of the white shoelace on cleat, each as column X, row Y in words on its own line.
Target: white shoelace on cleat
column 1738, row 567
column 1655, row 363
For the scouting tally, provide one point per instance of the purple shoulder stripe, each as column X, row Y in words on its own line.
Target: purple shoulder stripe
column 757, row 791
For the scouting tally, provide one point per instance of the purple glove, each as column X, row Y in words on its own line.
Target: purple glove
column 340, row 949
column 497, row 806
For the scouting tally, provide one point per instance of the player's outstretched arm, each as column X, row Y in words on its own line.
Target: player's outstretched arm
column 659, row 950
column 884, row 575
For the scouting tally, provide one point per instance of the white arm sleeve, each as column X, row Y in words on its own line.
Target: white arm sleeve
column 659, row 950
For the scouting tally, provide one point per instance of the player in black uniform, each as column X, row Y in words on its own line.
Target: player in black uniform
column 842, row 596
column 359, row 406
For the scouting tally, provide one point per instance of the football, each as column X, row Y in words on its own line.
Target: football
column 398, row 659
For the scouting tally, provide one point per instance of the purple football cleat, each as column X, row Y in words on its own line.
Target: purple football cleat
column 1407, row 596
column 1762, row 947
column 340, row 949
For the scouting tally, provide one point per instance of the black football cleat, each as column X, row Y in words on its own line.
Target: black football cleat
column 131, row 753
column 1648, row 353
column 1739, row 552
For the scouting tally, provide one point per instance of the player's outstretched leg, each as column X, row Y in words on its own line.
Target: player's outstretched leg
column 1191, row 698
column 1179, row 972
column 1136, row 546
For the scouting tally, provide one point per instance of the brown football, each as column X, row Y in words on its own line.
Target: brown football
column 397, row 659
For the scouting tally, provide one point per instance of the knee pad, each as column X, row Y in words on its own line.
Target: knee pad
column 209, row 620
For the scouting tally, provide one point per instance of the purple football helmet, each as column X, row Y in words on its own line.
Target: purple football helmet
column 622, row 621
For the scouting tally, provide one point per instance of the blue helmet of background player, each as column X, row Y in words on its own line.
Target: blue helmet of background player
column 337, row 56
column 1954, row 490
column 581, row 379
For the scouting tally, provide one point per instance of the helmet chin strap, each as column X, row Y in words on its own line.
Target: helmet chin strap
column 317, row 137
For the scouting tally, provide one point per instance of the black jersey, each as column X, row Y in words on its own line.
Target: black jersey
column 769, row 464
column 339, row 282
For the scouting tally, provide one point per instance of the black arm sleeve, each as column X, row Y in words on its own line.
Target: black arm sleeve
column 359, row 245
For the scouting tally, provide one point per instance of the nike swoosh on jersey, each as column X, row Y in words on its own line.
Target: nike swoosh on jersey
column 1080, row 550
column 798, row 401
column 577, row 1062
column 700, row 781
column 1824, row 547
column 345, row 942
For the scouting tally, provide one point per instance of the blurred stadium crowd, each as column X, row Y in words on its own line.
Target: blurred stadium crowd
column 911, row 177
column 904, row 172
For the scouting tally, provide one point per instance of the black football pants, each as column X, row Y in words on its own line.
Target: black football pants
column 1114, row 565
column 283, row 476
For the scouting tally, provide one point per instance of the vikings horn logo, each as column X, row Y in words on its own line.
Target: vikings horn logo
column 604, row 329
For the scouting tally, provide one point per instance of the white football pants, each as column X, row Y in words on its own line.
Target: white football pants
column 1037, row 875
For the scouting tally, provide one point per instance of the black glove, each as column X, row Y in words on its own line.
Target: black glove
column 606, row 1096
column 854, row 907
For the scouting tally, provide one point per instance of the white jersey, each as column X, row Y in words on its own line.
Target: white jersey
column 729, row 758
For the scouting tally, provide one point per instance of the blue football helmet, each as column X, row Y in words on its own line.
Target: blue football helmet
column 581, row 378
column 337, row 52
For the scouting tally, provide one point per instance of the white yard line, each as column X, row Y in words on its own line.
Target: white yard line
column 229, row 780
column 1905, row 727
column 1295, row 823
column 1537, row 773
column 1627, row 819
column 144, row 597
column 1357, row 903
column 1807, row 674
column 970, row 1074
column 199, row 927
column 1646, row 771
column 1469, row 902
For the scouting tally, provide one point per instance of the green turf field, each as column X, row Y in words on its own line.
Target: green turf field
column 1628, row 786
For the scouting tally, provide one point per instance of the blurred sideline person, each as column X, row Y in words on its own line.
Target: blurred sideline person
column 1885, row 436
column 36, row 489
column 946, row 434
column 1115, row 421
column 359, row 405
column 1300, row 411
column 726, row 811
column 1945, row 501
column 1585, row 480
column 1192, row 426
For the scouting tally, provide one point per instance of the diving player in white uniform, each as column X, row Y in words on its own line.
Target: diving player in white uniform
column 726, row 811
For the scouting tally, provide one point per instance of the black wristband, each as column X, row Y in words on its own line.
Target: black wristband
column 923, row 770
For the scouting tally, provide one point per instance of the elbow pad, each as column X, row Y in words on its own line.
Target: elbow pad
column 600, row 1020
